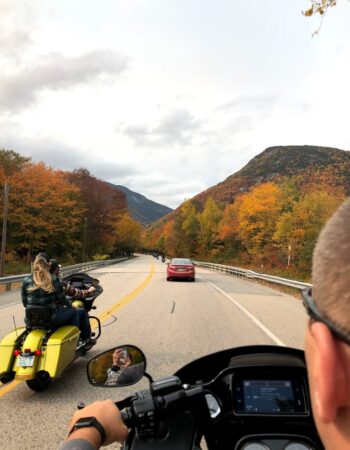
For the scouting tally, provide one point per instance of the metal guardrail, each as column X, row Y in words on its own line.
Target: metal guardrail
column 64, row 271
column 245, row 273
column 229, row 270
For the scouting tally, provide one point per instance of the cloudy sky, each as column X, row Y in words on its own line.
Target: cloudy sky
column 169, row 97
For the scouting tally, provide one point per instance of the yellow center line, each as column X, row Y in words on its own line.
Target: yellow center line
column 127, row 299
column 4, row 389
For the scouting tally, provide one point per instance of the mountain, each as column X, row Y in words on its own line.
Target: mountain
column 283, row 161
column 141, row 208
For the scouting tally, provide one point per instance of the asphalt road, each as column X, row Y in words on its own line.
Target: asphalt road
column 172, row 322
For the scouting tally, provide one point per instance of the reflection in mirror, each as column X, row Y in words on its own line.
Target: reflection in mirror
column 120, row 366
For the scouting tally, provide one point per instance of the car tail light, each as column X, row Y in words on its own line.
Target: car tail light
column 38, row 352
column 172, row 267
column 17, row 352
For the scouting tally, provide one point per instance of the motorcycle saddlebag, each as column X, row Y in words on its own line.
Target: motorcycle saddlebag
column 60, row 350
column 7, row 347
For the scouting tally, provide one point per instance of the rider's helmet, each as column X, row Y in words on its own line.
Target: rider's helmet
column 44, row 256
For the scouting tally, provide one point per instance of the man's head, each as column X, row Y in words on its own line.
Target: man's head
column 328, row 357
column 54, row 267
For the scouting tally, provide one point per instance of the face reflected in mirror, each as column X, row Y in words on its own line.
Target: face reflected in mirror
column 120, row 366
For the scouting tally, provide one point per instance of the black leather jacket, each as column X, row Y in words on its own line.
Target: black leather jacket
column 39, row 297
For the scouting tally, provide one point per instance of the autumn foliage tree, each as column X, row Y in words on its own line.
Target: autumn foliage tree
column 11, row 162
column 127, row 234
column 297, row 230
column 44, row 212
column 257, row 215
column 209, row 221
column 190, row 228
column 48, row 210
column 103, row 206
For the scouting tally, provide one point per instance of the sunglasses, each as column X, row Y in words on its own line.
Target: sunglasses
column 315, row 314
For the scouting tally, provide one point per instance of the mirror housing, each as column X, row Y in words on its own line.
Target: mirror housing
column 119, row 366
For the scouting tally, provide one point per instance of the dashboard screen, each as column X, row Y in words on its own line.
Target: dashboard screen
column 269, row 396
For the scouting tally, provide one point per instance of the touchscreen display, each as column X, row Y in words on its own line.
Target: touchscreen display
column 268, row 396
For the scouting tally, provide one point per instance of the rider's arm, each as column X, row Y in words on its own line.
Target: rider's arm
column 109, row 417
column 78, row 293
column 78, row 444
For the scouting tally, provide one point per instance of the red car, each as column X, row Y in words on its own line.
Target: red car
column 181, row 268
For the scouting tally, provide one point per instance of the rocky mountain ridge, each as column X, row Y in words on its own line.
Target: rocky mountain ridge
column 141, row 208
column 281, row 161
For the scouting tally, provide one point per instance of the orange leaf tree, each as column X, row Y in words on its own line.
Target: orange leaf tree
column 103, row 205
column 127, row 234
column 209, row 221
column 297, row 230
column 258, row 212
column 44, row 212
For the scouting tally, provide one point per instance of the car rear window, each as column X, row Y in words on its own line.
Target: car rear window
column 181, row 261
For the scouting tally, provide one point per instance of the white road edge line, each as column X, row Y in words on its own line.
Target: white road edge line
column 250, row 316
column 9, row 304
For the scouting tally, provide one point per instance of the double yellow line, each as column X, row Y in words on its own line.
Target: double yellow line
column 103, row 317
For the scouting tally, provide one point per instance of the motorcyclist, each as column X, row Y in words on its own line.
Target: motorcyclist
column 327, row 349
column 44, row 289
column 69, row 290
column 327, row 337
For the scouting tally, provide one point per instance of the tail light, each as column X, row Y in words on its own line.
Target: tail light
column 17, row 352
column 38, row 352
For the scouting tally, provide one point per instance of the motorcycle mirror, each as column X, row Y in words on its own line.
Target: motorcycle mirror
column 119, row 366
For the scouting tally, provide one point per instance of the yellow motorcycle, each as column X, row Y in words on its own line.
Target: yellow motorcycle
column 41, row 351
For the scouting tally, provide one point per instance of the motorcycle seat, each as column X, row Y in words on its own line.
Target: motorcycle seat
column 38, row 316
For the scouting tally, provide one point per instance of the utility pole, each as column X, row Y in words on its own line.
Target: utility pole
column 289, row 251
column 4, row 230
column 84, row 239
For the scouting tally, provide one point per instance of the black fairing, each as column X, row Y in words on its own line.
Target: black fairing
column 223, row 375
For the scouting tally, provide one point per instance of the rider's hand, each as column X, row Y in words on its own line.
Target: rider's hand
column 107, row 413
column 116, row 355
column 91, row 289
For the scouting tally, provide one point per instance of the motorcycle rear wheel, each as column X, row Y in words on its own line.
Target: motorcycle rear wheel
column 41, row 382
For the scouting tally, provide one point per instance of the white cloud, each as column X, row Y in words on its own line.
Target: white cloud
column 53, row 72
column 176, row 127
column 206, row 91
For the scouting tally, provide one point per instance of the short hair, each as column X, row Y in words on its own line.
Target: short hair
column 331, row 268
column 54, row 265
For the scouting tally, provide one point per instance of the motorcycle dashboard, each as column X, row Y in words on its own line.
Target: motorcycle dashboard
column 269, row 396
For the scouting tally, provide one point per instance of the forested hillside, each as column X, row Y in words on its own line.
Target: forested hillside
column 268, row 215
column 141, row 208
column 71, row 215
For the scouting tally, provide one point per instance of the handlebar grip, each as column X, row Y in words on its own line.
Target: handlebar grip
column 127, row 417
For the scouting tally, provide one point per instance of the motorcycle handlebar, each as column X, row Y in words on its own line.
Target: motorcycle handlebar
column 143, row 410
column 127, row 417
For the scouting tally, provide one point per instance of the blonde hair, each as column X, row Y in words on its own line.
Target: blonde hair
column 41, row 274
column 331, row 268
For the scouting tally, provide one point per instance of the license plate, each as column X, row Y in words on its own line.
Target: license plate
column 25, row 361
column 181, row 270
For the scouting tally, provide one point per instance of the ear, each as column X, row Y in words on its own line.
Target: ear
column 330, row 383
